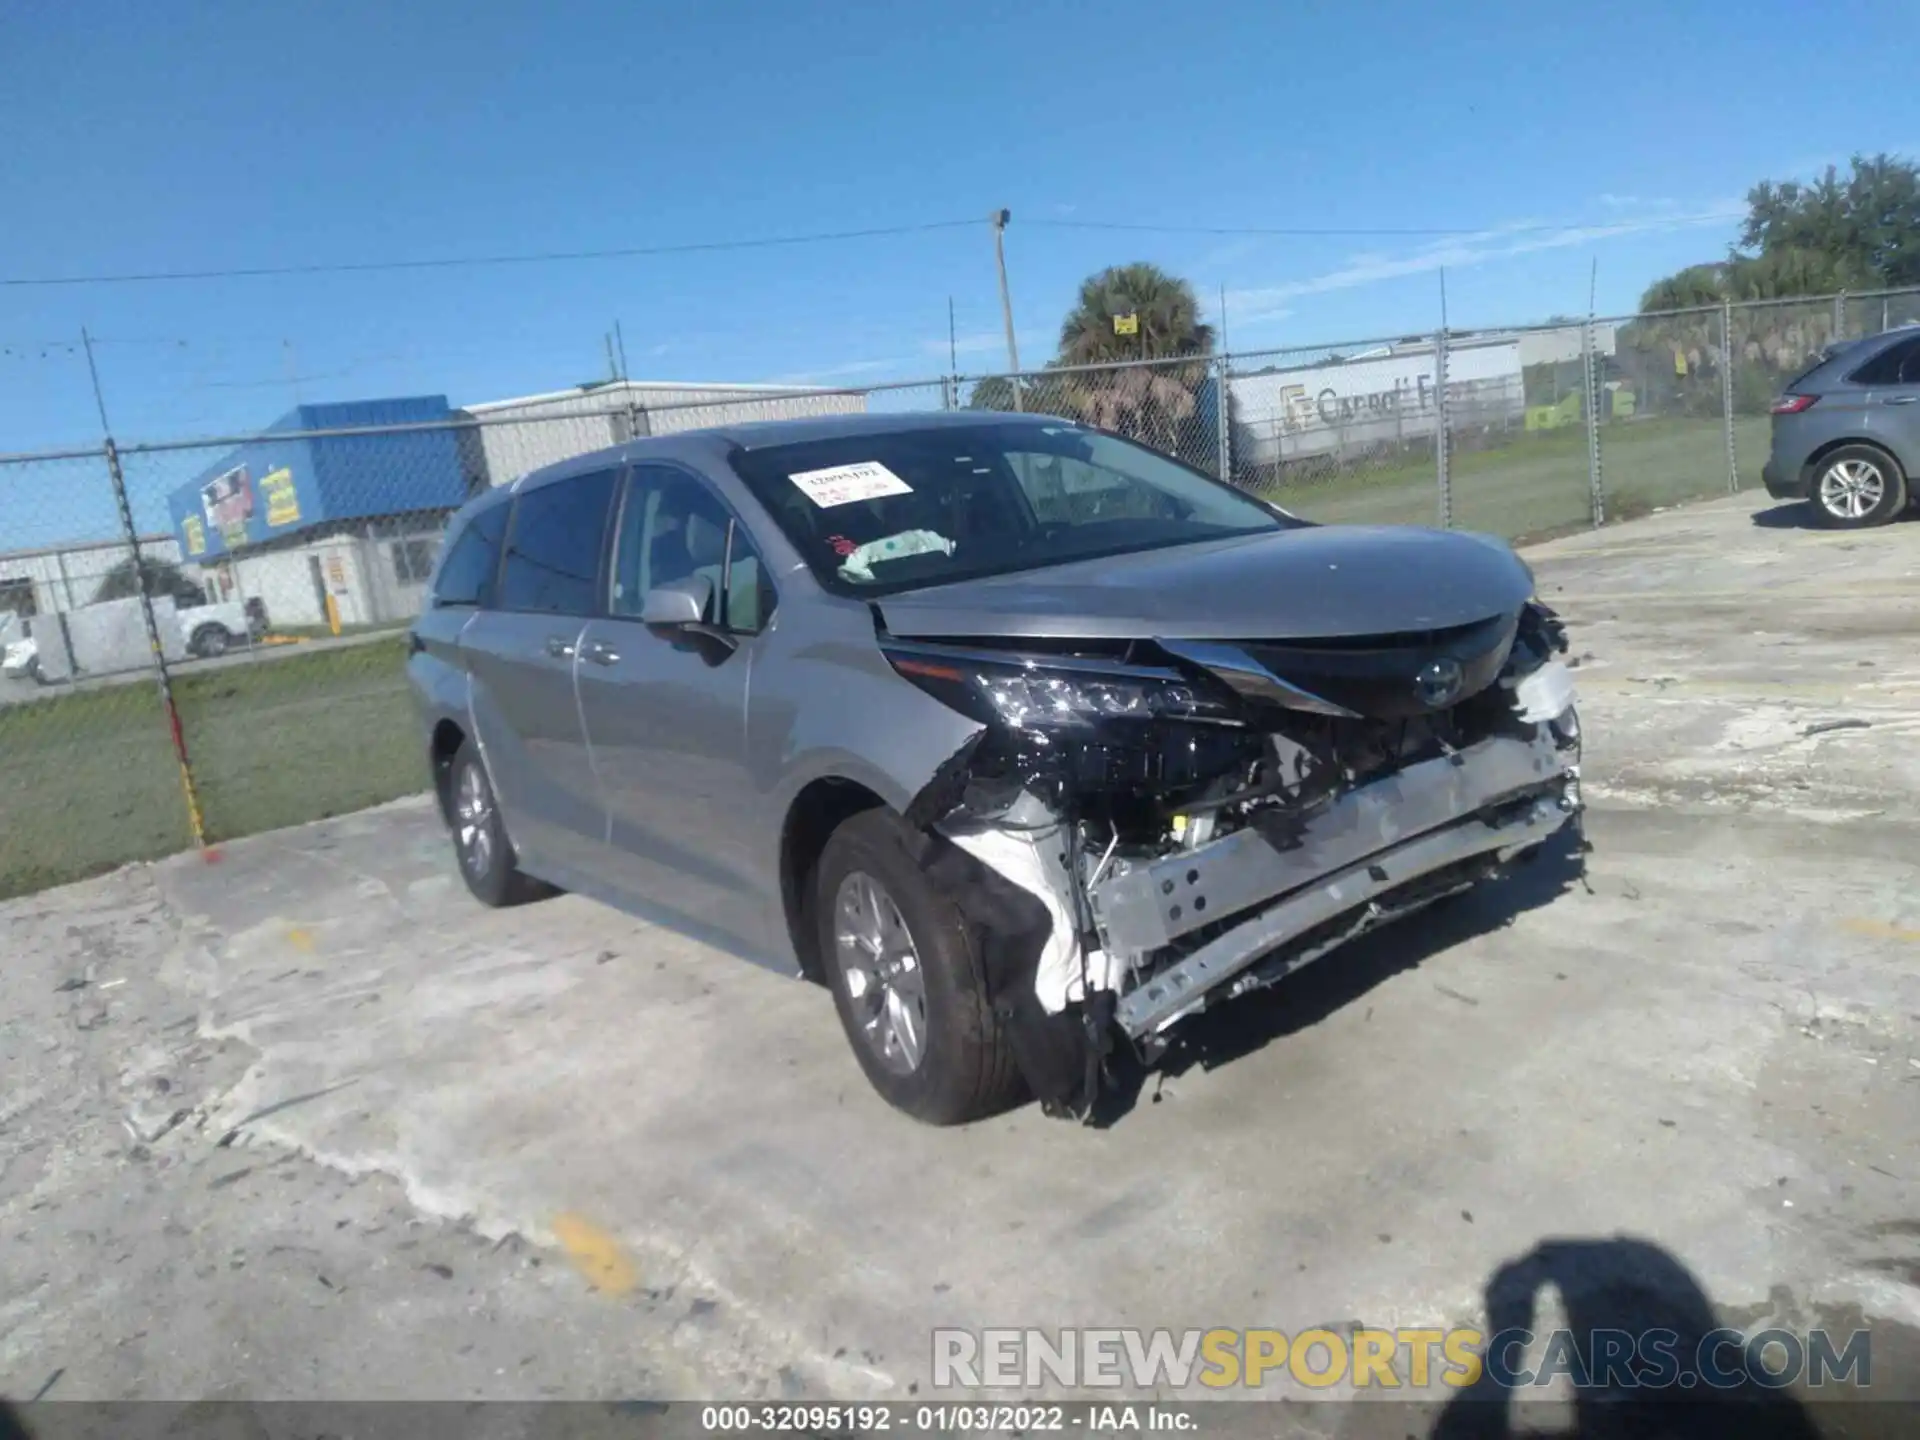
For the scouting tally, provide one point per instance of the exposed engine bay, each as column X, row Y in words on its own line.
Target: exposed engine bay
column 1199, row 819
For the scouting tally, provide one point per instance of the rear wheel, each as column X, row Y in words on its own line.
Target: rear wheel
column 1857, row 486
column 906, row 978
column 480, row 844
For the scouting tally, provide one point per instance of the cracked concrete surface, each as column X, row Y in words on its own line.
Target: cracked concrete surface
column 341, row 1132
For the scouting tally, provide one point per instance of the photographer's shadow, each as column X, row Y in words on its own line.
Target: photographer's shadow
column 1632, row 1287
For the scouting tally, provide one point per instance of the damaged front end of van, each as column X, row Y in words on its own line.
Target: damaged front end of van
column 1144, row 827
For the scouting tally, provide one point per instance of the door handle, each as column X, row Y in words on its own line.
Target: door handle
column 1900, row 400
column 601, row 653
column 559, row 647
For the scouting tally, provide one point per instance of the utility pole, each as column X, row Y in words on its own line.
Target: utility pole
column 952, row 387
column 190, row 791
column 1000, row 219
column 1443, row 459
column 626, row 383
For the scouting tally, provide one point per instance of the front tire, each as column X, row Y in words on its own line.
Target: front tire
column 210, row 641
column 906, row 978
column 1857, row 486
column 480, row 846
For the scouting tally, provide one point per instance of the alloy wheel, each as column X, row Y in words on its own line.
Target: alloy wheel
column 883, row 974
column 473, row 822
column 1852, row 489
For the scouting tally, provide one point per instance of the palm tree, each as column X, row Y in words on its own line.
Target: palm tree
column 159, row 577
column 1161, row 318
column 1168, row 314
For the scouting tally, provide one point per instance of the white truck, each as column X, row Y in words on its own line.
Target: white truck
column 111, row 636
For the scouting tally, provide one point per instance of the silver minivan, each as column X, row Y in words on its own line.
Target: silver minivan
column 1028, row 741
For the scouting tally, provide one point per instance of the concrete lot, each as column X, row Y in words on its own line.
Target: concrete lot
column 647, row 1169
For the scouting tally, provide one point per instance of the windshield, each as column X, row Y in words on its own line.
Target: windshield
column 874, row 514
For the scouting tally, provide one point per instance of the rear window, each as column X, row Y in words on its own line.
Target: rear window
column 467, row 576
column 1896, row 365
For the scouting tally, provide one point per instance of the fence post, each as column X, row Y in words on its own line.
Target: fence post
column 1596, row 490
column 172, row 711
column 1839, row 315
column 1223, row 418
column 1442, row 439
column 1726, row 390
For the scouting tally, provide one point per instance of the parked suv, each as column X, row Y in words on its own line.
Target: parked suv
column 1846, row 434
column 1024, row 739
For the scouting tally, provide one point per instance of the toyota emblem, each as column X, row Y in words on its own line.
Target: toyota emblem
column 1438, row 683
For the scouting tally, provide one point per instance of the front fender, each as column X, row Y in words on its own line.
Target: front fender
column 826, row 705
column 839, row 711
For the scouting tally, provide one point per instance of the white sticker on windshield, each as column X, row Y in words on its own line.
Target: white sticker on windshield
column 844, row 484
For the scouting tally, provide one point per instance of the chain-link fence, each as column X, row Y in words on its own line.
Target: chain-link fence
column 204, row 639
column 88, row 775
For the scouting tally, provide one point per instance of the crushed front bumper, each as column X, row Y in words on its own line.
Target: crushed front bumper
column 1488, row 802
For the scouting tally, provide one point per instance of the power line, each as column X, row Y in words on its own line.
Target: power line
column 456, row 262
column 824, row 237
column 1402, row 231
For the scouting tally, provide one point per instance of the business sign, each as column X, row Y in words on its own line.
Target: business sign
column 196, row 534
column 228, row 502
column 283, row 501
column 1378, row 399
column 1304, row 406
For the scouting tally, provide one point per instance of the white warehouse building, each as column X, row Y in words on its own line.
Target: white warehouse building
column 52, row 579
column 515, row 436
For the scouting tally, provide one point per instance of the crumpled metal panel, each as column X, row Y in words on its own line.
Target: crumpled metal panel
column 1151, row 905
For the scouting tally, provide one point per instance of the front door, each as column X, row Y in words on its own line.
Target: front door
column 665, row 713
column 521, row 653
column 1895, row 404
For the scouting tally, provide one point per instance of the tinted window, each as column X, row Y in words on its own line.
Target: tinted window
column 895, row 510
column 467, row 576
column 553, row 547
column 673, row 527
column 412, row 560
column 1896, row 365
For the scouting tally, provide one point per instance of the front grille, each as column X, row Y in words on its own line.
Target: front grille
column 1381, row 676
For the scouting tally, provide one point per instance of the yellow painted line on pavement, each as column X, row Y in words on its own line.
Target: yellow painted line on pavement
column 1880, row 929
column 595, row 1254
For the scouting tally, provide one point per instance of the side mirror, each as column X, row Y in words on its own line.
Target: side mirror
column 678, row 605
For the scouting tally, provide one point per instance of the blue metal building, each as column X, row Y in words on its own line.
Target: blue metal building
column 333, row 514
column 275, row 490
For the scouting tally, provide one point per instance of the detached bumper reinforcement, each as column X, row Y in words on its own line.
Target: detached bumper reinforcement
column 1185, row 985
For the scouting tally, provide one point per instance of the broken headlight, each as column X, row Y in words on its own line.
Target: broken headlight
column 1046, row 692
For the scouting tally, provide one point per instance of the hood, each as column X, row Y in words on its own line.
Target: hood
column 1319, row 582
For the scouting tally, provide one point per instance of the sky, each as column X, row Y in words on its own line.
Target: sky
column 194, row 135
